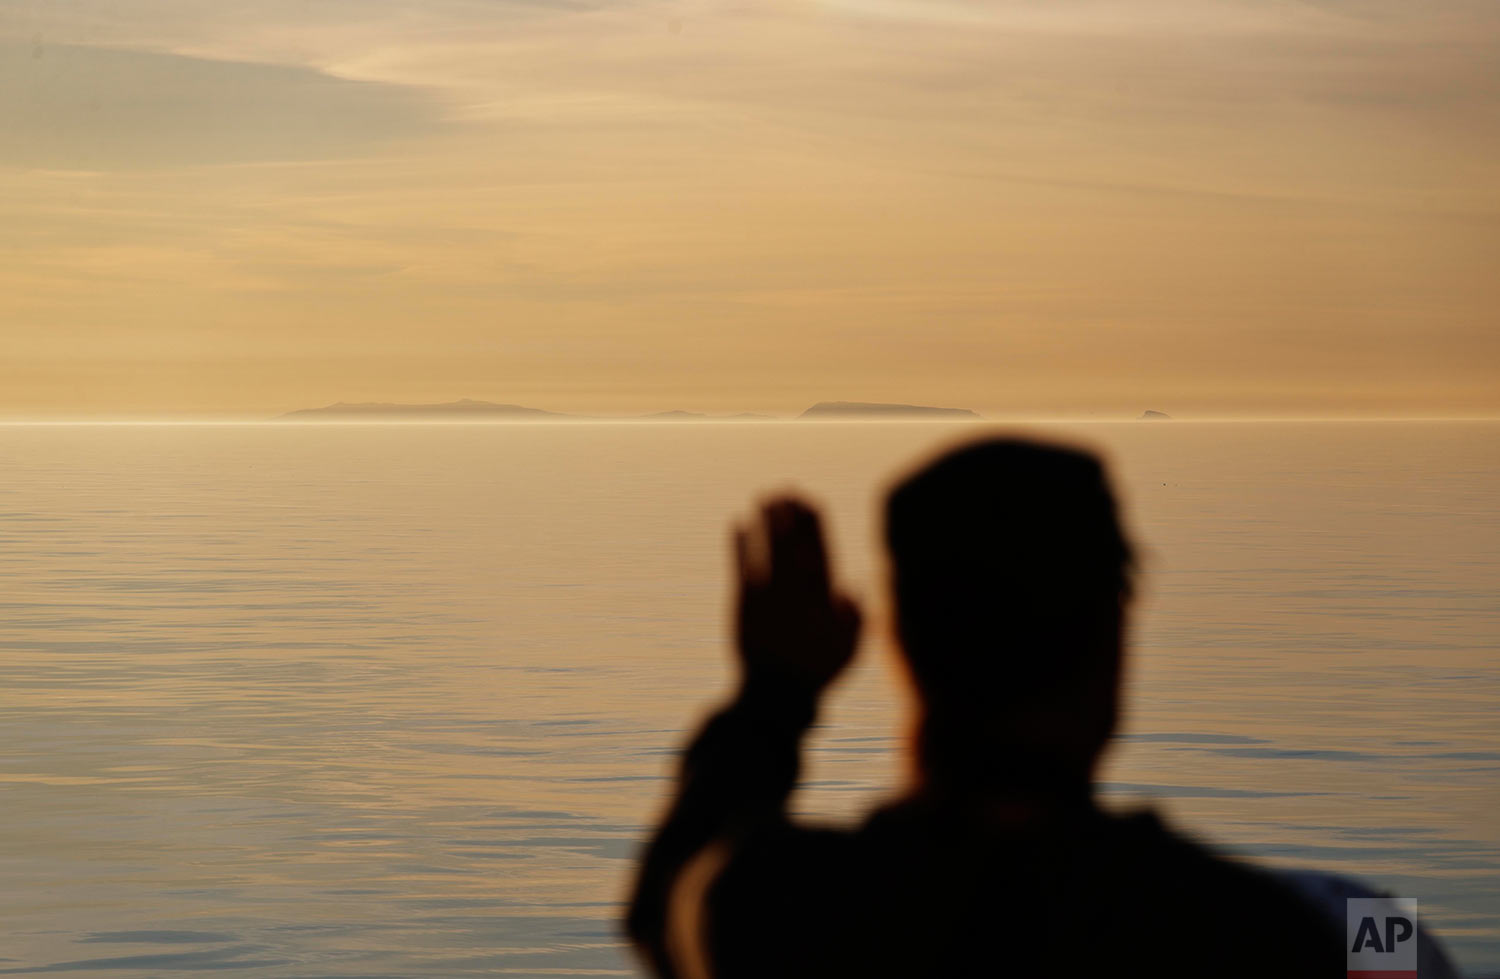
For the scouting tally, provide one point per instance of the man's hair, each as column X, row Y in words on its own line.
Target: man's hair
column 1010, row 569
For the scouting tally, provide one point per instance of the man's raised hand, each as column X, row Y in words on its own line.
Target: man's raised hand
column 795, row 631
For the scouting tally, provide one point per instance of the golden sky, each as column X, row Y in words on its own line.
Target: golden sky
column 1056, row 206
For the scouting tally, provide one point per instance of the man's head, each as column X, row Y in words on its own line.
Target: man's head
column 1010, row 574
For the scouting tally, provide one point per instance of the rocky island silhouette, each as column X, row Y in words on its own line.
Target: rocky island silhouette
column 462, row 408
column 469, row 409
column 867, row 409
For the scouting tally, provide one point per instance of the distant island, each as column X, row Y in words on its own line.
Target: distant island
column 678, row 415
column 865, row 409
column 467, row 409
column 463, row 408
column 1150, row 415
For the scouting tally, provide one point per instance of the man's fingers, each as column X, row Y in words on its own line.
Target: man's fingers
column 798, row 557
column 807, row 555
column 792, row 624
column 776, row 523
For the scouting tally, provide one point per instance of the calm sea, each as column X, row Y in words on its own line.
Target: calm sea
column 400, row 700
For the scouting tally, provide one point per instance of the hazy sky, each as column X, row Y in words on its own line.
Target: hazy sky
column 1063, row 206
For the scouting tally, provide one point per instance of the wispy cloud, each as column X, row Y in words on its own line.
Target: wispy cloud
column 87, row 108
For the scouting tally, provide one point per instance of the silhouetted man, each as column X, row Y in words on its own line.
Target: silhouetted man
column 1011, row 579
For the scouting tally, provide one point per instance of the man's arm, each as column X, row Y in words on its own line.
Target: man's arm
column 735, row 778
column 794, row 636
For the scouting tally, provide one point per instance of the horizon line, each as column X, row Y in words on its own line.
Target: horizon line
column 563, row 419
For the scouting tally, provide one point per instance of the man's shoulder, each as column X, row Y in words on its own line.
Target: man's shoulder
column 913, row 881
column 1187, row 863
column 1130, row 865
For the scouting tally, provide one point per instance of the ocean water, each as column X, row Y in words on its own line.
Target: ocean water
column 376, row 700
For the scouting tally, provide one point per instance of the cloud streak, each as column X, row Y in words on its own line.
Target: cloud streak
column 71, row 107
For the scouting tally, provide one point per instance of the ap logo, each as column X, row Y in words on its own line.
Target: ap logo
column 1381, row 940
